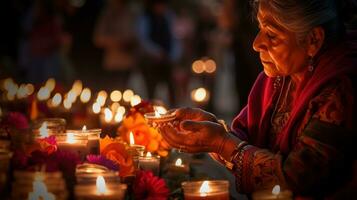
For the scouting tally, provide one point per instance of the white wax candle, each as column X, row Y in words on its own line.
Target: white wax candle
column 149, row 162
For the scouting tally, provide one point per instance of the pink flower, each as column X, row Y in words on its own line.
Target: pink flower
column 102, row 160
column 48, row 144
column 16, row 120
column 150, row 187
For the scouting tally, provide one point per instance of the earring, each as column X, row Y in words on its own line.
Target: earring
column 311, row 64
column 277, row 82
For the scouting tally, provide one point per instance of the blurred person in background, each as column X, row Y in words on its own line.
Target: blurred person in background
column 115, row 34
column 43, row 40
column 237, row 18
column 160, row 48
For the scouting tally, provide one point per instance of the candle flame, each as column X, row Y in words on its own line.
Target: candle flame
column 30, row 88
column 157, row 113
column 108, row 115
column 43, row 130
column 50, row 84
column 148, row 154
column 101, row 186
column 276, row 190
column 115, row 95
column 118, row 117
column 56, row 100
column 178, row 162
column 21, row 92
column 121, row 110
column 160, row 109
column 135, row 100
column 84, row 128
column 131, row 138
column 127, row 94
column 70, row 138
column 199, row 94
column 205, row 188
column 210, row 66
column 43, row 94
column 77, row 87
column 85, row 95
column 67, row 104
column 96, row 108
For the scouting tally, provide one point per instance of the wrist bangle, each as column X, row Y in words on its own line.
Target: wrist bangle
column 237, row 150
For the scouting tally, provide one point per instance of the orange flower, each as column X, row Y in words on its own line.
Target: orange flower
column 142, row 132
column 137, row 125
column 117, row 152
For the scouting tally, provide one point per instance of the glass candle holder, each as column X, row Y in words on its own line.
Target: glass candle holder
column 76, row 143
column 87, row 174
column 49, row 126
column 136, row 151
column 24, row 182
column 98, row 182
column 178, row 168
column 90, row 192
column 208, row 190
column 93, row 136
column 150, row 162
column 273, row 194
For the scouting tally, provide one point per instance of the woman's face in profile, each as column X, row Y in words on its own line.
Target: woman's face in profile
column 279, row 50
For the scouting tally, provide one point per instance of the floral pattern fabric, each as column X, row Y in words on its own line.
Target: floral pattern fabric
column 314, row 154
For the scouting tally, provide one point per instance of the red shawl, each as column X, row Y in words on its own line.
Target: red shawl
column 253, row 122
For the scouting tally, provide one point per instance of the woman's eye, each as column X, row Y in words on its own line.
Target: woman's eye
column 271, row 36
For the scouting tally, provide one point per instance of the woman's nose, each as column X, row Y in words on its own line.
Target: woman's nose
column 258, row 44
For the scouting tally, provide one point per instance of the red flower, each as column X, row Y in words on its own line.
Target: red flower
column 150, row 187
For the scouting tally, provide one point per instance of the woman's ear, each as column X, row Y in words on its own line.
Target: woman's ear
column 315, row 39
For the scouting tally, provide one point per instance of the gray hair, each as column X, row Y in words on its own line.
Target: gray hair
column 300, row 16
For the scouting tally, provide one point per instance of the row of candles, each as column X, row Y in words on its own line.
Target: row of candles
column 106, row 184
column 12, row 90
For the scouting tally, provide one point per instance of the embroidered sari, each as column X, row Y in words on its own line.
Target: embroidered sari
column 309, row 154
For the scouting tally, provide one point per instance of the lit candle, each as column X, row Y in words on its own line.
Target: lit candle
column 180, row 167
column 150, row 162
column 76, row 143
column 275, row 193
column 101, row 190
column 159, row 116
column 93, row 136
column 49, row 126
column 200, row 95
column 87, row 173
column 215, row 190
column 43, row 130
column 136, row 150
column 40, row 191
column 93, row 139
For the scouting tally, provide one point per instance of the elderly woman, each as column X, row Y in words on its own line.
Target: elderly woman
column 301, row 114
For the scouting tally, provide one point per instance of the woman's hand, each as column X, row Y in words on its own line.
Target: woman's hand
column 196, row 136
column 194, row 114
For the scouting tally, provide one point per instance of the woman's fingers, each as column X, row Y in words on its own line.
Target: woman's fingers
column 189, row 125
column 194, row 114
column 169, row 134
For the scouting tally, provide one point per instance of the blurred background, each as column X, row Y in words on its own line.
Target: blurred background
column 88, row 61
column 183, row 52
